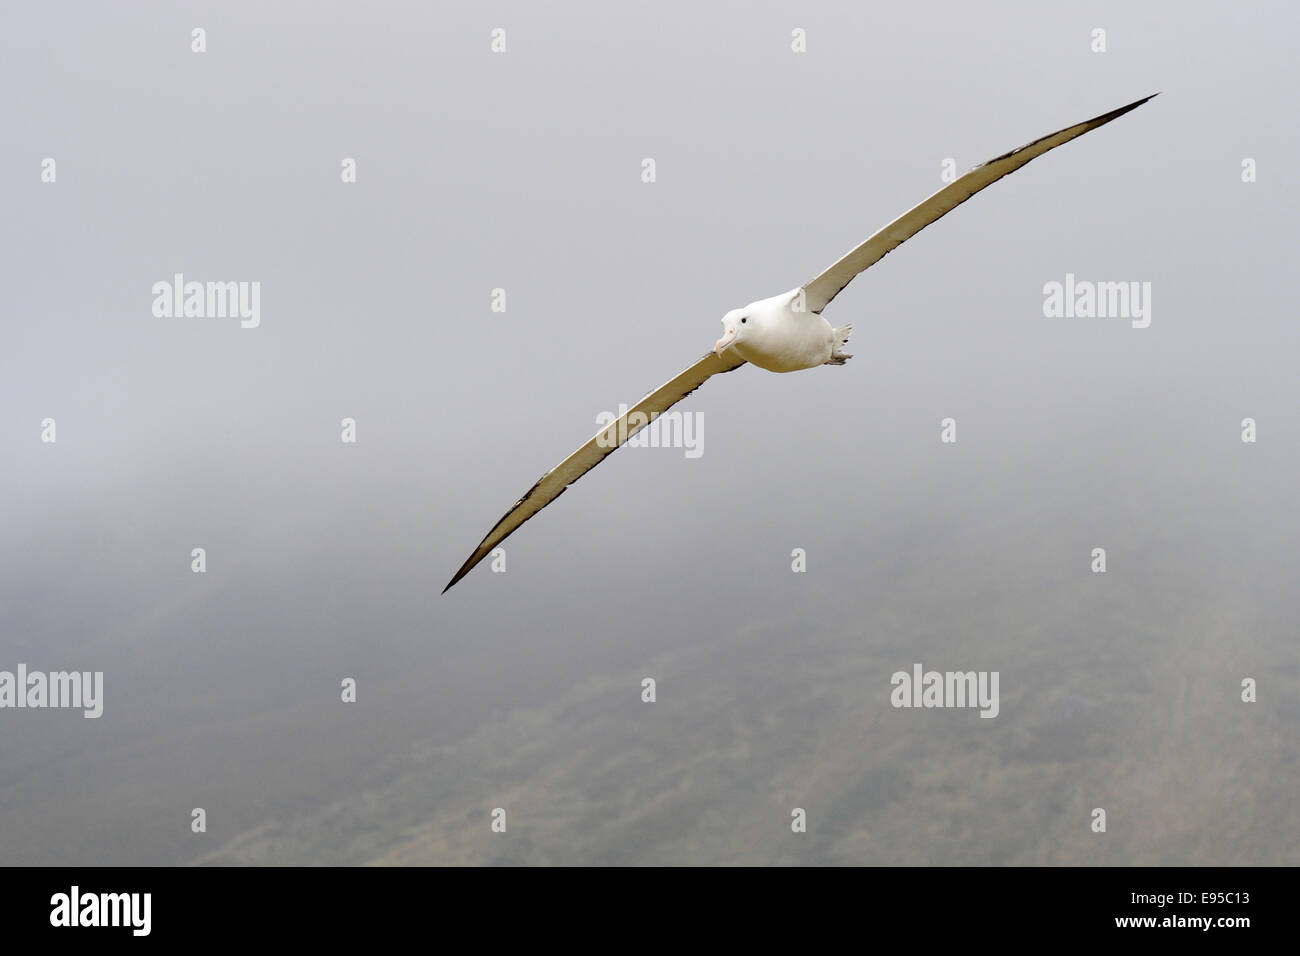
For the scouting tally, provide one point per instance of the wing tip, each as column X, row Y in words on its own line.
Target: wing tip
column 1135, row 104
column 1105, row 118
column 1085, row 127
column 465, row 569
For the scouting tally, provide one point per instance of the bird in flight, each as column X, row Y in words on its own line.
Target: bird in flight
column 785, row 333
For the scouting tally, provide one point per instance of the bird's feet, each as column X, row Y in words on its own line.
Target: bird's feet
column 841, row 339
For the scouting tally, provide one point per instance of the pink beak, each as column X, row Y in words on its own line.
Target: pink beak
column 724, row 343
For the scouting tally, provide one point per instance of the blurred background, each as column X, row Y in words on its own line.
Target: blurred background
column 522, row 171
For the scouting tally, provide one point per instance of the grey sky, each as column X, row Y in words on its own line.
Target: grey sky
column 522, row 171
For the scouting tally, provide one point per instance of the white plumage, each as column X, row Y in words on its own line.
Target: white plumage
column 784, row 333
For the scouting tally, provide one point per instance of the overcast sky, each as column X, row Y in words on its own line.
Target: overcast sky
column 522, row 171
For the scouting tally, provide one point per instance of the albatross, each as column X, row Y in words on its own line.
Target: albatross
column 784, row 333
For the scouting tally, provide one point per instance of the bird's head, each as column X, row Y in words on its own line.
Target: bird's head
column 734, row 326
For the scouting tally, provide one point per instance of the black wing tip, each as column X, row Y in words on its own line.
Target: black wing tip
column 464, row 570
column 1089, row 124
column 1105, row 118
column 1135, row 104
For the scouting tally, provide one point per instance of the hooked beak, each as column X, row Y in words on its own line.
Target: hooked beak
column 727, row 341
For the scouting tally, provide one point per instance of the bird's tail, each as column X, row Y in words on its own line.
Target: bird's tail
column 841, row 339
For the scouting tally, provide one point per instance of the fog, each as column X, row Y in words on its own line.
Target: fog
column 523, row 690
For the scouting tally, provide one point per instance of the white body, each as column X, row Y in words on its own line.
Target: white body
column 775, row 335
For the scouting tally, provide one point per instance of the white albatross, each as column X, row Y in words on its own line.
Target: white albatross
column 785, row 333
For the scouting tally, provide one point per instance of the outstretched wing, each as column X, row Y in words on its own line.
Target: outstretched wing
column 826, row 286
column 552, row 484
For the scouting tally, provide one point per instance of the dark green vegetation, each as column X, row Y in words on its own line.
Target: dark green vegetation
column 1119, row 691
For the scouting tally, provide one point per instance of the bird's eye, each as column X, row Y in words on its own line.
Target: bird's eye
column 744, row 320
